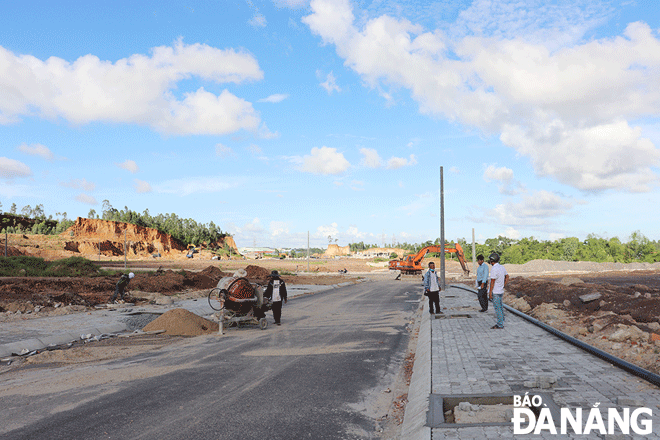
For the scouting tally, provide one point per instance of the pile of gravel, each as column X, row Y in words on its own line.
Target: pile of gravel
column 138, row 322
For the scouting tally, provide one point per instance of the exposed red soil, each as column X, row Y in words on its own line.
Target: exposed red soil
column 96, row 290
column 632, row 296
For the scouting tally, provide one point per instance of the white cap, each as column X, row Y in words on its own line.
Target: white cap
column 131, row 275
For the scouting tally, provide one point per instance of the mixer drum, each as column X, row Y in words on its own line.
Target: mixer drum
column 240, row 296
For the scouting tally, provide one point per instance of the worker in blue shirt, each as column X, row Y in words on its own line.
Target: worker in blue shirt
column 482, row 283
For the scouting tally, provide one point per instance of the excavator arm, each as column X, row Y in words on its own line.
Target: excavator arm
column 412, row 264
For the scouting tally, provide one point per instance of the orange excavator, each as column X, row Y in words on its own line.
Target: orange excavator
column 412, row 264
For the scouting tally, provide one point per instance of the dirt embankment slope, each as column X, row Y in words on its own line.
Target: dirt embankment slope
column 91, row 236
column 103, row 239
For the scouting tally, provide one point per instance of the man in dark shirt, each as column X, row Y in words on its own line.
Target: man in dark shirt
column 121, row 286
column 276, row 292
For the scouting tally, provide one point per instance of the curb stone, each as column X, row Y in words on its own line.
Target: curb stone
column 414, row 419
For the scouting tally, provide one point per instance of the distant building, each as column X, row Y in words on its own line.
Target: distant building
column 257, row 252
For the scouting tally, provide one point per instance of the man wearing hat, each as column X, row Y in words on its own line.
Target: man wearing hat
column 276, row 292
column 121, row 286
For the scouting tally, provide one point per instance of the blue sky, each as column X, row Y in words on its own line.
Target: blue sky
column 278, row 118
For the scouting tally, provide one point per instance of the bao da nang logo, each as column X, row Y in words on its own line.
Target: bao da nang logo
column 531, row 415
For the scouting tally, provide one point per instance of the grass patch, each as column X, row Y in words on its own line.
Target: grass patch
column 380, row 259
column 38, row 267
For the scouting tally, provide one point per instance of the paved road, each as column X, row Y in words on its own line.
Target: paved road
column 320, row 376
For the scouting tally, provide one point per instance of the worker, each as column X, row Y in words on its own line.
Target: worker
column 121, row 286
column 498, row 280
column 432, row 288
column 276, row 292
column 482, row 283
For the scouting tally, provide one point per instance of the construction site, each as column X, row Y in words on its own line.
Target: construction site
column 611, row 306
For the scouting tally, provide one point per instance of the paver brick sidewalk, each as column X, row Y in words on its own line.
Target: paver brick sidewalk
column 468, row 357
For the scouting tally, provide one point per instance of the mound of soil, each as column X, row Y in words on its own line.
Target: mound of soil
column 47, row 292
column 257, row 274
column 639, row 301
column 181, row 322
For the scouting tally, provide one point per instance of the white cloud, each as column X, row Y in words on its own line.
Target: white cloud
column 79, row 184
column 254, row 227
column 398, row 162
column 257, row 20
column 128, row 165
column 357, row 185
column 370, row 158
column 355, row 234
column 566, row 104
column 502, row 174
column 324, row 160
column 330, row 84
column 533, row 210
column 141, row 186
column 37, row 150
column 324, row 231
column 86, row 199
column 278, row 97
column 193, row 185
column 278, row 228
column 10, row 168
column 223, row 151
column 137, row 89
column 511, row 233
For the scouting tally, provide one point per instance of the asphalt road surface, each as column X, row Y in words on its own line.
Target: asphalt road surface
column 320, row 375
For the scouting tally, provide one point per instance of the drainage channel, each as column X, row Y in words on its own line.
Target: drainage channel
column 624, row 365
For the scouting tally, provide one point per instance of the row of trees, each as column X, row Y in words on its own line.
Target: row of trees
column 34, row 221
column 186, row 230
column 638, row 248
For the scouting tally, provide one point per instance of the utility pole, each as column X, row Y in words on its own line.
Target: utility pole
column 124, row 248
column 474, row 254
column 307, row 251
column 442, row 229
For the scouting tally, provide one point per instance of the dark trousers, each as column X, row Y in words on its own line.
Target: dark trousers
column 483, row 298
column 119, row 291
column 277, row 311
column 434, row 298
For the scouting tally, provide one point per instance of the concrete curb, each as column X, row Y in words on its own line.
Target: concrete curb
column 414, row 419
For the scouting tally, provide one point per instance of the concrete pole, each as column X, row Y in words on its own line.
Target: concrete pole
column 124, row 248
column 221, row 320
column 474, row 254
column 442, row 229
column 6, row 242
column 307, row 251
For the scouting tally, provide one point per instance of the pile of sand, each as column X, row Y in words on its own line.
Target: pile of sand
column 181, row 322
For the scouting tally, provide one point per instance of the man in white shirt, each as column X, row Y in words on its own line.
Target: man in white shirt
column 498, row 280
column 432, row 288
